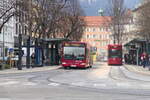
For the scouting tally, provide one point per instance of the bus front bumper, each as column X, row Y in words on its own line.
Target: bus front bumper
column 80, row 65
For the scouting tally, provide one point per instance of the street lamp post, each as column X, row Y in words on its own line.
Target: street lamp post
column 28, row 53
column 3, row 50
column 20, row 53
column 137, row 53
column 3, row 46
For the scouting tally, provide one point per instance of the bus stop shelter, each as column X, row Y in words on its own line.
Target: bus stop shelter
column 136, row 47
column 46, row 51
column 52, row 50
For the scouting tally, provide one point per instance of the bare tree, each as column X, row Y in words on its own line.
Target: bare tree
column 6, row 12
column 117, row 10
column 58, row 19
column 72, row 23
column 52, row 16
column 144, row 21
column 27, row 13
column 43, row 17
column 46, row 18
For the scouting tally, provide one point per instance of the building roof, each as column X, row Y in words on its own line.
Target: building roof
column 97, row 20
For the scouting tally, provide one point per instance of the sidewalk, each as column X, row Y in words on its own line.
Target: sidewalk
column 25, row 70
column 137, row 69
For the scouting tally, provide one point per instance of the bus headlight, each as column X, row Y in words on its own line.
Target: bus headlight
column 64, row 63
column 83, row 63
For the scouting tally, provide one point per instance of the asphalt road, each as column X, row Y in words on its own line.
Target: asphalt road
column 99, row 83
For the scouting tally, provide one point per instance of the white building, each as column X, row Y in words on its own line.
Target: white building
column 8, row 32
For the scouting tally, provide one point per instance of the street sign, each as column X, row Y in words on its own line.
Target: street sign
column 10, row 49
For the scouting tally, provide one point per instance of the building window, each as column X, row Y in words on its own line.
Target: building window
column 106, row 29
column 87, row 29
column 88, row 36
column 16, row 28
column 94, row 36
column 100, row 29
column 100, row 36
column 94, row 29
column 25, row 30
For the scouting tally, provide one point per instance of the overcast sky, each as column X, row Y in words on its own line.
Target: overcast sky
column 91, row 7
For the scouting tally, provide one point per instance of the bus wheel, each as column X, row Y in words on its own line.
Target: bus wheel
column 67, row 67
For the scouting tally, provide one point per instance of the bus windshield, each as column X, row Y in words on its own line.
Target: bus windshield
column 77, row 53
column 114, row 53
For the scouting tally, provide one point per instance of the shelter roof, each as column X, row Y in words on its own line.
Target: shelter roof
column 132, row 42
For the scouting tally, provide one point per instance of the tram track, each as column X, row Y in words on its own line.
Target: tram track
column 45, row 77
column 118, row 75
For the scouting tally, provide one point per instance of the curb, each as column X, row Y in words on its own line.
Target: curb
column 30, row 70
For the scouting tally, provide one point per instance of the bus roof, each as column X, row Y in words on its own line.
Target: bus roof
column 75, row 43
column 117, row 46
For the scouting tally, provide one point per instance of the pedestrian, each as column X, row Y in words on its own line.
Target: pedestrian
column 134, row 59
column 44, row 59
column 32, row 59
column 144, row 59
column 130, row 59
column 125, row 58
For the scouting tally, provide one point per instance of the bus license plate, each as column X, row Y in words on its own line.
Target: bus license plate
column 73, row 66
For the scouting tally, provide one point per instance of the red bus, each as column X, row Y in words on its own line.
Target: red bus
column 76, row 54
column 114, row 54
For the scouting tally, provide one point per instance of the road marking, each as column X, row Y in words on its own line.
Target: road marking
column 78, row 84
column 30, row 83
column 5, row 99
column 145, row 85
column 9, row 83
column 99, row 85
column 123, row 84
column 54, row 84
